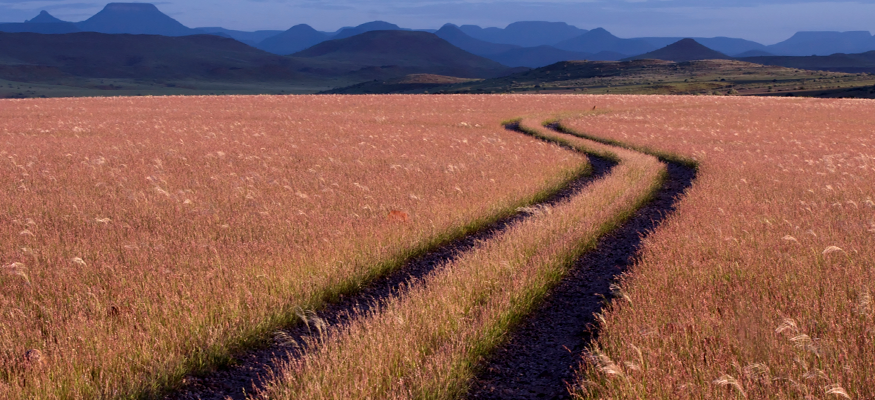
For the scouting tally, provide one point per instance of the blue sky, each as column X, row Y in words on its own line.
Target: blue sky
column 768, row 21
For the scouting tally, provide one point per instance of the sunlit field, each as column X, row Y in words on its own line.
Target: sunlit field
column 146, row 239
column 426, row 344
column 761, row 285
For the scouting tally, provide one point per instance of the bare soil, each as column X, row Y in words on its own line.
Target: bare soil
column 541, row 355
column 248, row 373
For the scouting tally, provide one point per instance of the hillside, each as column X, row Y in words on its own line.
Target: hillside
column 405, row 51
column 297, row 38
column 824, row 43
column 683, row 50
column 525, row 33
column 250, row 38
column 851, row 63
column 134, row 18
column 366, row 27
column 598, row 40
column 142, row 57
column 725, row 45
column 536, row 57
column 414, row 83
column 43, row 23
column 460, row 39
column 712, row 77
column 44, row 18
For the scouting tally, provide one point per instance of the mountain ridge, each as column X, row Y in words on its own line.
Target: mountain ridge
column 44, row 18
column 407, row 51
column 599, row 39
column 525, row 33
column 134, row 18
column 293, row 40
column 683, row 50
column 145, row 18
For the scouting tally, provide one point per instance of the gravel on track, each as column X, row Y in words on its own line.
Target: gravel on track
column 248, row 373
column 540, row 356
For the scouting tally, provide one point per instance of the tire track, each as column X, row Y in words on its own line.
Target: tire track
column 251, row 370
column 540, row 356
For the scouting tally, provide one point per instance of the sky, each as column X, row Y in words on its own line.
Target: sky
column 766, row 21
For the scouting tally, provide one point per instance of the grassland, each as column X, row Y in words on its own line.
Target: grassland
column 760, row 286
column 120, row 87
column 147, row 238
column 709, row 77
column 426, row 344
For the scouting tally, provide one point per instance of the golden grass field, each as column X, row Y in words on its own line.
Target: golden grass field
column 761, row 285
column 426, row 344
column 144, row 239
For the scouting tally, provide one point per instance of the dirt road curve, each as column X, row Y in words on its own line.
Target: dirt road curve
column 540, row 356
column 246, row 375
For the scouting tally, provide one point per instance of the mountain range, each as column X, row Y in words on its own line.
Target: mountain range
column 136, row 41
column 596, row 44
column 34, row 57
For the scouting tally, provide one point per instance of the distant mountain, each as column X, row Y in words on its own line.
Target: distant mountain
column 297, row 38
column 250, row 38
column 683, row 50
column 134, row 18
column 141, row 57
column 536, row 57
column 513, row 55
column 43, row 23
column 414, row 83
column 51, row 28
column 45, row 18
column 824, row 43
column 607, row 56
column 366, row 27
column 525, row 33
column 852, row 63
column 725, row 45
column 754, row 53
column 599, row 39
column 456, row 37
column 406, row 52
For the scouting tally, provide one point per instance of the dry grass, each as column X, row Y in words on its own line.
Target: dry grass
column 426, row 343
column 760, row 286
column 145, row 238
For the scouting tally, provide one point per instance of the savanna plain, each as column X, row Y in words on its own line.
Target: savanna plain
column 149, row 239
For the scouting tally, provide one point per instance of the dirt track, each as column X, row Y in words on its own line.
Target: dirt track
column 541, row 355
column 247, row 374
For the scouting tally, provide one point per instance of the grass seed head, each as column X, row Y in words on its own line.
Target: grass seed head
column 787, row 325
column 837, row 390
column 831, row 249
column 814, row 374
column 758, row 371
column 728, row 380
